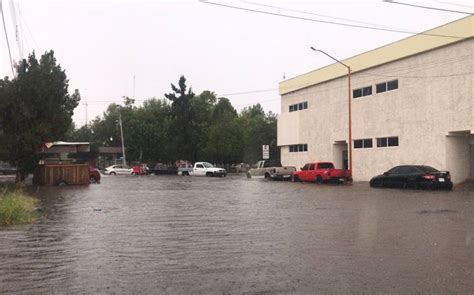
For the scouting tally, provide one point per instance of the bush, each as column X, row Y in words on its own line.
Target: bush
column 16, row 208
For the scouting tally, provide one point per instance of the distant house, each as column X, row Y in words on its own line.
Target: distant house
column 109, row 155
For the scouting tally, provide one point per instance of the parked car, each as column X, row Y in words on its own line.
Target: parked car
column 161, row 169
column 94, row 175
column 202, row 169
column 271, row 169
column 7, row 169
column 322, row 172
column 413, row 176
column 118, row 169
column 141, row 169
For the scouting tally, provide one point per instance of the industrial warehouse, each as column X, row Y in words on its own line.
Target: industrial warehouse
column 411, row 102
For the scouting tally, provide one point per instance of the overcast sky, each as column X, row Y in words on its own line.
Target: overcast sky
column 104, row 44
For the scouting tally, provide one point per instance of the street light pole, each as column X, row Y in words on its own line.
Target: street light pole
column 123, row 145
column 349, row 104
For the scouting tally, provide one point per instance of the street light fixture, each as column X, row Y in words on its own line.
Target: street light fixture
column 349, row 104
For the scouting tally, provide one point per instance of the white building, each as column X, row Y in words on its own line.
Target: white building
column 412, row 103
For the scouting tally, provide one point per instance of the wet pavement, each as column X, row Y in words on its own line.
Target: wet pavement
column 181, row 235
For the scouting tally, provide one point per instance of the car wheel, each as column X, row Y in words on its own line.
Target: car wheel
column 377, row 183
column 209, row 174
column 267, row 176
column 62, row 183
column 92, row 179
column 249, row 175
column 319, row 179
column 113, row 173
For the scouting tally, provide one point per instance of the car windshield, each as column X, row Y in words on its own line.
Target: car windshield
column 427, row 169
column 207, row 165
column 271, row 163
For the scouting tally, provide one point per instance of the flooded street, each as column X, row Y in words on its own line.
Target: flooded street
column 176, row 235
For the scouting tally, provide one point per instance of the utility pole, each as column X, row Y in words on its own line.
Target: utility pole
column 349, row 111
column 123, row 145
column 86, row 106
column 133, row 87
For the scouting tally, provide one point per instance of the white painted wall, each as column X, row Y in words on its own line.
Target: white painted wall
column 434, row 97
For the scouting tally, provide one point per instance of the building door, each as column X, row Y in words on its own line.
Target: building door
column 345, row 161
column 339, row 156
column 472, row 161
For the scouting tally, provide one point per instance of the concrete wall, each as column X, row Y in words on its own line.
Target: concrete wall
column 434, row 98
column 458, row 157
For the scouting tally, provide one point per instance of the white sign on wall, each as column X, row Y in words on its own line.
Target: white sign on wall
column 265, row 152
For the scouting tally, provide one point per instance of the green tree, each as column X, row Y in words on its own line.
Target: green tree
column 183, row 140
column 224, row 135
column 35, row 108
column 259, row 129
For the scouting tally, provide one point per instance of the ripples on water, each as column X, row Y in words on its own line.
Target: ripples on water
column 170, row 234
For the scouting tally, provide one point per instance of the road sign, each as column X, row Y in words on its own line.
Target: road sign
column 265, row 152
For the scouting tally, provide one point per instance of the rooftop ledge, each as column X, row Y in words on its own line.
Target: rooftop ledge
column 461, row 29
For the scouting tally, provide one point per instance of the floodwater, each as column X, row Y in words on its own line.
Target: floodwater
column 181, row 235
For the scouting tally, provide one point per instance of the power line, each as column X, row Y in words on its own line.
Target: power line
column 328, row 22
column 6, row 36
column 17, row 30
column 249, row 92
column 454, row 4
column 317, row 14
column 427, row 7
column 27, row 27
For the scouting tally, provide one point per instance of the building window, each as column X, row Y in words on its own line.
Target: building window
column 367, row 91
column 387, row 141
column 298, row 107
column 382, row 87
column 363, row 143
column 364, row 91
column 357, row 93
column 391, row 85
column 297, row 148
column 387, row 86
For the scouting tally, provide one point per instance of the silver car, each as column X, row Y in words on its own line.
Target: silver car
column 118, row 169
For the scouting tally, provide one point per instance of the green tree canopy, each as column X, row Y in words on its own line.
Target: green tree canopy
column 35, row 107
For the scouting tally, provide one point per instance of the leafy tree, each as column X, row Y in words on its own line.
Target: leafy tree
column 259, row 129
column 183, row 140
column 186, row 126
column 35, row 108
column 224, row 135
column 155, row 114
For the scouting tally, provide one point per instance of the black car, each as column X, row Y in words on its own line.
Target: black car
column 413, row 176
column 6, row 169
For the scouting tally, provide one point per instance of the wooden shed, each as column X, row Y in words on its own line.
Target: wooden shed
column 57, row 167
column 60, row 174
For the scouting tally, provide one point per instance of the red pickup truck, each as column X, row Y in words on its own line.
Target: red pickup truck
column 322, row 172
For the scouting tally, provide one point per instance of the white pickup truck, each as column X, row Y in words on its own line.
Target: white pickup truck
column 270, row 169
column 202, row 169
